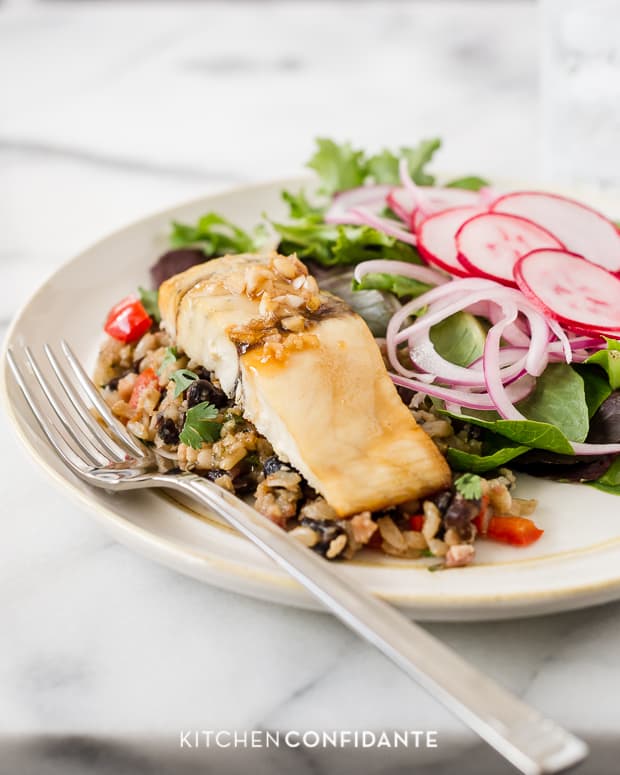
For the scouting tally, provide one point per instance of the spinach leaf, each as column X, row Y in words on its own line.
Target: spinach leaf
column 470, row 183
column 609, row 359
column 459, row 338
column 596, row 386
column 557, row 413
column 479, row 464
column 559, row 399
column 610, row 480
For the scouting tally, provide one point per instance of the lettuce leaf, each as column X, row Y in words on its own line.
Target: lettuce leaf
column 341, row 167
column 469, row 183
column 393, row 283
column 217, row 236
column 339, row 245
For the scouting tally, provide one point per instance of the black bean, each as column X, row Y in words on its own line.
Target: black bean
column 442, row 500
column 274, row 464
column 168, row 431
column 113, row 383
column 327, row 530
column 202, row 390
column 459, row 515
column 215, row 473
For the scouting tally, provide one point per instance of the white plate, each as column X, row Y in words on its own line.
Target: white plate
column 576, row 563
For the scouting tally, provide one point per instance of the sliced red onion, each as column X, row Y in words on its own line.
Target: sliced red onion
column 386, row 225
column 497, row 392
column 464, row 398
column 416, row 271
column 513, row 333
column 401, row 202
column 372, row 197
column 595, row 449
column 423, row 354
column 562, row 338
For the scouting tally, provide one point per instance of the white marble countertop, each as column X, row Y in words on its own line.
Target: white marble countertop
column 109, row 111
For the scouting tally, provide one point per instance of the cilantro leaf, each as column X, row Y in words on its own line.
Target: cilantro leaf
column 469, row 485
column 217, row 236
column 182, row 379
column 469, row 183
column 609, row 359
column 169, row 358
column 149, row 301
column 200, row 425
column 339, row 167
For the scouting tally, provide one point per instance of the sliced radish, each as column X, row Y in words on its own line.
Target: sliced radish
column 436, row 238
column 579, row 294
column 580, row 228
column 489, row 245
column 435, row 199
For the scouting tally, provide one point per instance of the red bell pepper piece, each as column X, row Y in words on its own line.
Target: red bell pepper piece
column 145, row 379
column 416, row 522
column 517, row 531
column 128, row 320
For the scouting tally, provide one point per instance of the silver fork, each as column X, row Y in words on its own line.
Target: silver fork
column 101, row 451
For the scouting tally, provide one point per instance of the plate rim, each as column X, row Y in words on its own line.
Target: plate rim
column 173, row 555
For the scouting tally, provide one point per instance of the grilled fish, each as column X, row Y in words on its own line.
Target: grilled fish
column 308, row 374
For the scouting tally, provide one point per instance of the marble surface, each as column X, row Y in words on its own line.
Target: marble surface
column 109, row 111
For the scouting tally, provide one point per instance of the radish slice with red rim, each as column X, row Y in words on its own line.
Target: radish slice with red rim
column 581, row 229
column 570, row 289
column 436, row 238
column 490, row 244
column 435, row 199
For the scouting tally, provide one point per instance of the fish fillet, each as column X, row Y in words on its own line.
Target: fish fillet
column 308, row 374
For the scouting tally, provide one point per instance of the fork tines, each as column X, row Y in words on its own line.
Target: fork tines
column 71, row 412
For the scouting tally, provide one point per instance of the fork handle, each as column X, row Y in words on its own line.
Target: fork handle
column 531, row 742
